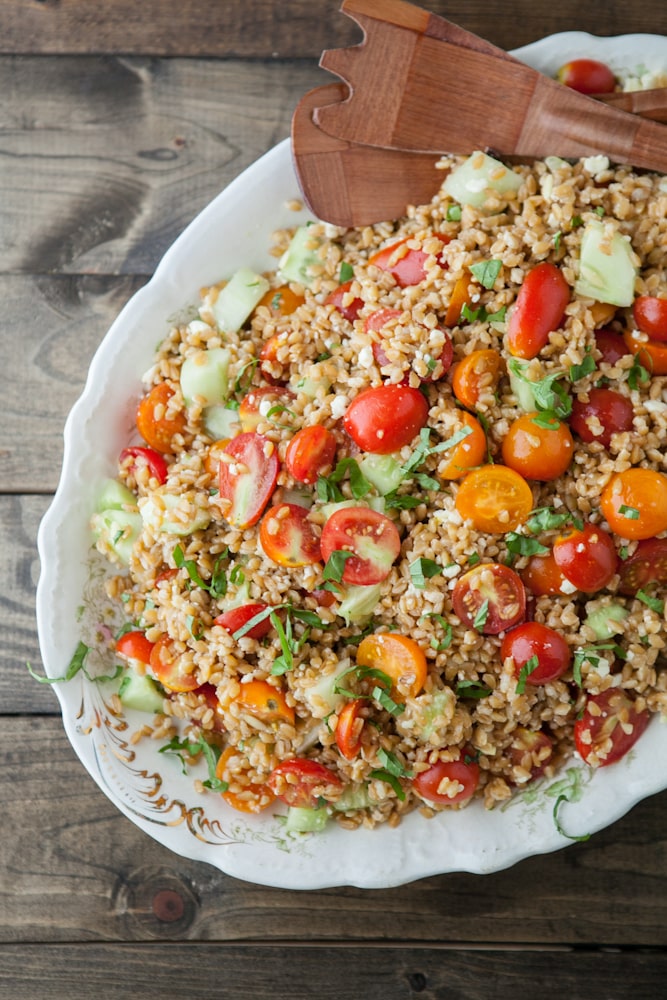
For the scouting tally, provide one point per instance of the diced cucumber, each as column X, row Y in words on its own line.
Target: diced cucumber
column 115, row 496
column 311, row 386
column 238, row 299
column 221, row 422
column 521, row 386
column 606, row 269
column 322, row 696
column 602, row 620
column 204, row 376
column 477, row 177
column 353, row 797
column 139, row 691
column 301, row 257
column 157, row 508
column 301, row 820
column 382, row 471
column 117, row 530
column 328, row 509
column 440, row 705
column 359, row 602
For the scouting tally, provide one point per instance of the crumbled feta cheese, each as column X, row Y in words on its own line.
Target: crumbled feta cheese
column 567, row 587
column 595, row 164
column 451, row 571
column 366, row 356
column 338, row 407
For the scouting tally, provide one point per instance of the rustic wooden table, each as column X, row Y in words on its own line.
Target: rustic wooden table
column 118, row 123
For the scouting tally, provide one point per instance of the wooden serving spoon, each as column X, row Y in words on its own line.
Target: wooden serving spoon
column 419, row 83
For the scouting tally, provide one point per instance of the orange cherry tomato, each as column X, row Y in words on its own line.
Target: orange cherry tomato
column 476, row 374
column 462, row 294
column 467, row 454
column 155, row 425
column 349, row 728
column 281, row 301
column 310, row 453
column 288, row 537
column 266, row 404
column 587, row 556
column 634, row 503
column 398, row 656
column 650, row 314
column 588, row 76
column 348, row 306
column 609, row 727
column 135, row 646
column 242, row 794
column 538, row 451
column 268, row 357
column 652, row 354
column 213, row 456
column 490, row 598
column 448, row 783
column 265, row 701
column 170, row 668
column 539, row 309
column 496, row 499
column 542, row 575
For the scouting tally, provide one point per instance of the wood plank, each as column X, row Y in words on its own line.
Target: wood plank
column 73, row 868
column 262, row 28
column 105, row 161
column 287, row 972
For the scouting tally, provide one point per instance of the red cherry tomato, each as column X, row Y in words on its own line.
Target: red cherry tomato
column 531, row 750
column 133, row 458
column 347, row 305
column 587, row 557
column 650, row 315
column 235, row 619
column 349, row 728
column 606, row 412
column 271, row 368
column 266, row 404
column 609, row 727
column 408, row 267
column 249, row 479
column 376, row 323
column 539, row 309
column 588, row 76
column 170, row 668
column 646, row 565
column 208, row 693
column 155, row 423
column 310, row 453
column 135, row 646
column 532, row 639
column 448, row 783
column 372, row 539
column 611, row 345
column 543, row 576
column 288, row 537
column 384, row 418
column 302, row 782
column 490, row 597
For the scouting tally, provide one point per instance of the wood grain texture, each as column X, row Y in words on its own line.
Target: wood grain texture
column 262, row 28
column 87, row 873
column 210, row 972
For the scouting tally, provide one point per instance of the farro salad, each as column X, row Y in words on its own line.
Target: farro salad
column 395, row 533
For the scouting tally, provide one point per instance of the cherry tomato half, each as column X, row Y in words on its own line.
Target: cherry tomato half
column 348, row 305
column 237, row 618
column 541, row 451
column 281, row 301
column 170, row 668
column 604, row 413
column 384, row 418
column 302, row 782
column 532, row 639
column 496, row 499
column 448, row 783
column 651, row 354
column 531, row 750
column 270, row 366
column 398, row 656
column 243, row 795
column 646, row 565
column 611, row 345
column 288, row 537
column 132, row 459
column 248, row 476
column 490, row 597
column 156, row 424
column 543, row 576
column 609, row 727
column 588, row 76
column 539, row 309
column 349, row 728
column 376, row 323
column 264, row 701
column 470, row 451
column 407, row 266
column 310, row 453
column 462, row 294
column 634, row 503
column 474, row 376
column 135, row 646
column 587, row 557
column 370, row 537
column 650, row 314
column 266, row 404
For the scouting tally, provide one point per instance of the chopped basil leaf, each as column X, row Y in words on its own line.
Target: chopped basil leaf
column 390, row 780
column 563, row 833
column 526, row 670
column 471, row 689
column 346, row 272
column 335, row 565
column 453, row 213
column 631, row 513
column 654, row 603
column 423, row 569
column 557, row 239
column 76, row 665
column 587, row 367
column 638, row 375
column 546, row 518
column 481, row 616
column 193, row 748
column 486, row 272
column 446, row 627
column 474, row 559
column 386, row 701
column 401, row 501
column 393, row 764
column 576, row 221
column 520, row 545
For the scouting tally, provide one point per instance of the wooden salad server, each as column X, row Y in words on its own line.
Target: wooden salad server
column 419, row 83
